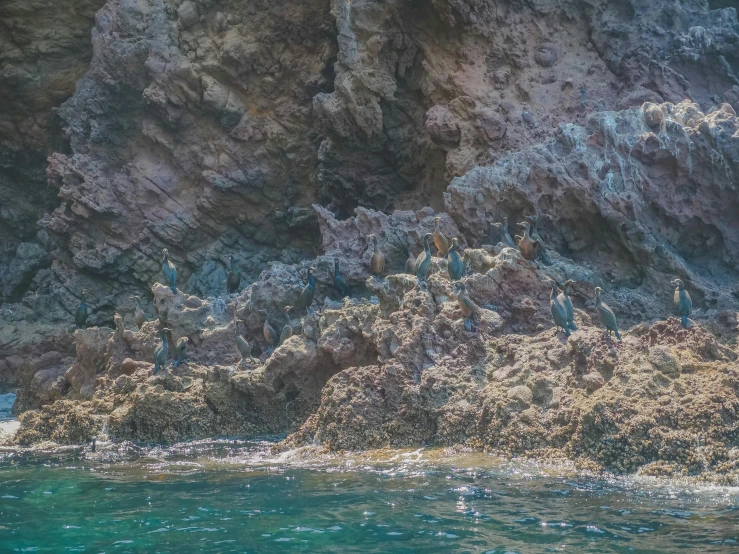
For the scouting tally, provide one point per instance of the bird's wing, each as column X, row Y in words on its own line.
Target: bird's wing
column 471, row 305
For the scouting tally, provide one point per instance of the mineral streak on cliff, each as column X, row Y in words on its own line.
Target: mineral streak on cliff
column 259, row 128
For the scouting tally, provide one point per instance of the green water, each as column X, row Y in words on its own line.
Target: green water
column 223, row 496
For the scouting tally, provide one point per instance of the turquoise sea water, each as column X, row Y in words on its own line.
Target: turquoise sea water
column 226, row 496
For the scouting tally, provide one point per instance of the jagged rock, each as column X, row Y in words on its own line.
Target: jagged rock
column 593, row 381
column 664, row 360
column 241, row 129
column 443, row 127
column 521, row 395
column 547, row 54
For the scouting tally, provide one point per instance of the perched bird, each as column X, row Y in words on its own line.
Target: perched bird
column 234, row 277
column 683, row 302
column 455, row 267
column 441, row 242
column 410, row 262
column 243, row 346
column 80, row 314
column 138, row 315
column 181, row 350
column 533, row 221
column 607, row 317
column 559, row 313
column 564, row 298
column 423, row 262
column 308, row 293
column 161, row 352
column 169, row 271
column 468, row 307
column 528, row 246
column 377, row 261
column 270, row 335
column 504, row 234
column 287, row 330
column 339, row 282
column 118, row 322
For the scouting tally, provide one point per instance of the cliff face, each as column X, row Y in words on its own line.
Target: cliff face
column 44, row 50
column 210, row 127
column 259, row 128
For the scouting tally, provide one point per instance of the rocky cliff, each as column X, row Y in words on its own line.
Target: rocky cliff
column 282, row 133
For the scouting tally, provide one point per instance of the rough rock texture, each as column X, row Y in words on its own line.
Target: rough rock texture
column 273, row 131
column 400, row 369
column 44, row 50
column 640, row 203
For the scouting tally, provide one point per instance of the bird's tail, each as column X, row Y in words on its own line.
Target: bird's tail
column 684, row 320
column 618, row 335
column 573, row 326
column 567, row 332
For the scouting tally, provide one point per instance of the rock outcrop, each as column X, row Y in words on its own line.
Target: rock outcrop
column 285, row 134
column 400, row 369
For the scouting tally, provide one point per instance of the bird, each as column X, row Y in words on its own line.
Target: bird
column 455, row 267
column 339, row 282
column 169, row 271
column 528, row 246
column 287, row 330
column 564, row 298
column 234, row 277
column 683, row 302
column 80, row 314
column 533, row 221
column 559, row 313
column 423, row 262
column 441, row 242
column 118, row 322
column 504, row 234
column 270, row 335
column 410, row 262
column 181, row 350
column 243, row 346
column 138, row 315
column 377, row 261
column 306, row 296
column 161, row 352
column 607, row 317
column 468, row 307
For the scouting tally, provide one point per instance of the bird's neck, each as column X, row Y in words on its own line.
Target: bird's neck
column 427, row 247
column 311, row 280
column 597, row 299
column 233, row 268
column 336, row 269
